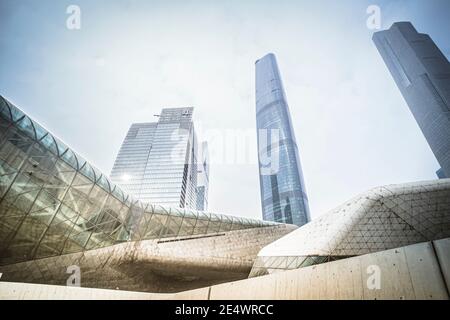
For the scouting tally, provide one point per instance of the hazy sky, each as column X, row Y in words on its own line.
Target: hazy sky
column 132, row 58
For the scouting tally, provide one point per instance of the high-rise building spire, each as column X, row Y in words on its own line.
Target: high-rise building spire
column 283, row 193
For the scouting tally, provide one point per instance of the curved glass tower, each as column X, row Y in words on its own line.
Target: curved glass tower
column 283, row 195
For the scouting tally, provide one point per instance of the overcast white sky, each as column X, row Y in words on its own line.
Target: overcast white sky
column 132, row 58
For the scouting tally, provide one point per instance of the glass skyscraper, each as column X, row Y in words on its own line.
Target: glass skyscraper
column 422, row 73
column 159, row 162
column 283, row 195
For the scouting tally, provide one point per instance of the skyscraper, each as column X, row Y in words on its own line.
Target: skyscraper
column 158, row 163
column 283, row 194
column 422, row 73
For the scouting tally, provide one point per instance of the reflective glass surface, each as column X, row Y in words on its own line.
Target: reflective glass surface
column 158, row 162
column 283, row 195
column 53, row 202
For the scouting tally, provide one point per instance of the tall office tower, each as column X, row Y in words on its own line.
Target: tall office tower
column 283, row 195
column 157, row 162
column 422, row 74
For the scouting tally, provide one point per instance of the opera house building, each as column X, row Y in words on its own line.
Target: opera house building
column 68, row 232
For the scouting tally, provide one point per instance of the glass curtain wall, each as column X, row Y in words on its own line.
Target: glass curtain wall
column 53, row 202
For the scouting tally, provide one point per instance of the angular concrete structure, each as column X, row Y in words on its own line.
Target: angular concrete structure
column 418, row 271
column 380, row 219
column 412, row 272
column 166, row 265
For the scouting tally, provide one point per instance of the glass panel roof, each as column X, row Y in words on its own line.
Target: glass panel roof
column 40, row 132
column 117, row 192
column 80, row 159
column 88, row 172
column 61, row 146
column 27, row 127
column 70, row 158
column 104, row 183
column 16, row 113
column 4, row 109
column 49, row 143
